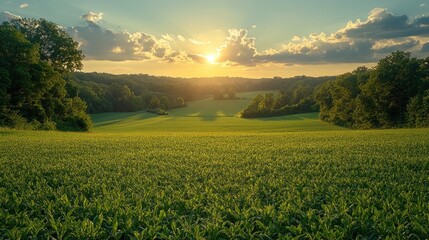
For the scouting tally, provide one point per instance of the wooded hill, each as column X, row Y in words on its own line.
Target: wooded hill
column 131, row 92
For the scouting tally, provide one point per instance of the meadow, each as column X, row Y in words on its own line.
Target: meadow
column 203, row 173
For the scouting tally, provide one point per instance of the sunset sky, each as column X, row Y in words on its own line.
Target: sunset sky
column 248, row 38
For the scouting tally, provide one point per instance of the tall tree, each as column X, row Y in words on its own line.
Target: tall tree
column 394, row 81
column 393, row 94
column 55, row 46
column 33, row 89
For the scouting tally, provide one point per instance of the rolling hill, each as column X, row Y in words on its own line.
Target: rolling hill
column 208, row 115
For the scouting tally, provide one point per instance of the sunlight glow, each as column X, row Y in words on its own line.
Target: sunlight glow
column 211, row 58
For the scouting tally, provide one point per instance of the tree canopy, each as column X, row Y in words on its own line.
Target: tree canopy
column 55, row 46
column 394, row 93
column 32, row 88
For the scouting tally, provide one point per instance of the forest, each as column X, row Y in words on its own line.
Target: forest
column 132, row 92
column 35, row 57
column 395, row 93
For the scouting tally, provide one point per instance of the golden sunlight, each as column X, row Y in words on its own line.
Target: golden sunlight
column 211, row 58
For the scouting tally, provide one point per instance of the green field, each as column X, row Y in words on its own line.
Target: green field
column 208, row 115
column 201, row 172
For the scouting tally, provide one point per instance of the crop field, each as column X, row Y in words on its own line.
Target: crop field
column 275, row 180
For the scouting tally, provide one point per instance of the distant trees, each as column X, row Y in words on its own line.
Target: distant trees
column 297, row 100
column 32, row 85
column 393, row 94
column 225, row 93
column 96, row 89
column 154, row 103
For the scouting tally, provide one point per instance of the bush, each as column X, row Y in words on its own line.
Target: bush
column 158, row 111
column 48, row 126
column 79, row 123
column 12, row 119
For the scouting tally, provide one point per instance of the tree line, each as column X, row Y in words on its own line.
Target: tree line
column 117, row 93
column 298, row 99
column 395, row 93
column 105, row 92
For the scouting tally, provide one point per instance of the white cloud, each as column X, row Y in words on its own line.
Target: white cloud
column 168, row 37
column 93, row 17
column 358, row 42
column 24, row 5
column 117, row 50
column 197, row 42
column 238, row 48
column 99, row 43
column 296, row 39
column 382, row 24
column 181, row 38
column 391, row 45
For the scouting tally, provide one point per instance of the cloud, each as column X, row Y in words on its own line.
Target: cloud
column 422, row 5
column 24, row 5
column 168, row 37
column 320, row 50
column 117, row 50
column 425, row 48
column 92, row 17
column 357, row 42
column 197, row 42
column 181, row 38
column 197, row 58
column 99, row 43
column 238, row 48
column 382, row 24
column 6, row 16
column 391, row 45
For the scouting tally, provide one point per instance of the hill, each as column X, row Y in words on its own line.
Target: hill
column 208, row 115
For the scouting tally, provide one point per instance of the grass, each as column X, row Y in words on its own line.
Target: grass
column 208, row 115
column 139, row 176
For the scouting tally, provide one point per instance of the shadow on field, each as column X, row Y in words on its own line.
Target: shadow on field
column 106, row 119
column 294, row 117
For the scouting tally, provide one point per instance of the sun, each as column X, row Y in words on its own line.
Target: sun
column 211, row 58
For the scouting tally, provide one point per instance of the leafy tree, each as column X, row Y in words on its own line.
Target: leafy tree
column 230, row 93
column 392, row 94
column 180, row 102
column 268, row 102
column 395, row 80
column 325, row 100
column 418, row 110
column 219, row 94
column 164, row 103
column 283, row 98
column 154, row 103
column 33, row 91
column 55, row 46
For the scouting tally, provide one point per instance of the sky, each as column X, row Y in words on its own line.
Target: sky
column 244, row 38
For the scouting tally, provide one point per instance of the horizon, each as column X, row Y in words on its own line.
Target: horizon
column 249, row 39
